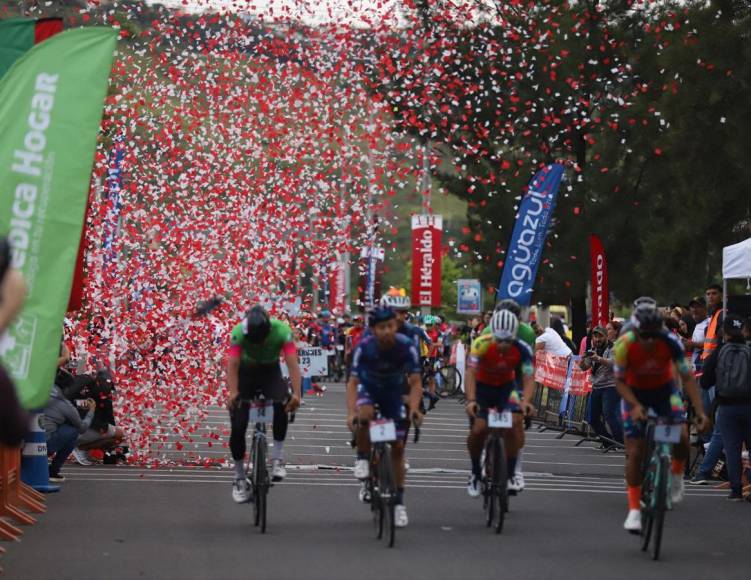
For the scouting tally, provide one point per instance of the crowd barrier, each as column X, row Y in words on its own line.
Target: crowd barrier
column 562, row 397
column 16, row 498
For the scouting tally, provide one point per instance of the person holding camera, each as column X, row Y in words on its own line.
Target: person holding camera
column 63, row 425
column 604, row 400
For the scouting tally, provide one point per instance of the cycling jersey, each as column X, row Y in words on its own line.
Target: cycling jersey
column 278, row 342
column 385, row 369
column 648, row 367
column 435, row 337
column 416, row 334
column 497, row 368
column 328, row 335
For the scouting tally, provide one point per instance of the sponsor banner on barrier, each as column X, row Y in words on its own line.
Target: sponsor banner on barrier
column 50, row 109
column 469, row 297
column 528, row 237
column 600, row 306
column 553, row 372
column 313, row 362
column 426, row 260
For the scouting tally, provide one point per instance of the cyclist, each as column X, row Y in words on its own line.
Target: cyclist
column 253, row 364
column 645, row 357
column 381, row 360
column 495, row 360
column 527, row 335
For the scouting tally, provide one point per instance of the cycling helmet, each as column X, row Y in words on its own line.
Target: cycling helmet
column 380, row 314
column 256, row 324
column 646, row 317
column 429, row 320
column 504, row 325
column 325, row 314
column 396, row 299
column 510, row 305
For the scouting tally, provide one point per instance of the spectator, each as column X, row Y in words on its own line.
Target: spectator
column 103, row 433
column 551, row 341
column 728, row 369
column 13, row 419
column 63, row 425
column 698, row 309
column 711, row 342
column 605, row 401
column 586, row 341
column 712, row 336
column 613, row 329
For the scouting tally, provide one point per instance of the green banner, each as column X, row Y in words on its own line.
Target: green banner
column 16, row 37
column 50, row 109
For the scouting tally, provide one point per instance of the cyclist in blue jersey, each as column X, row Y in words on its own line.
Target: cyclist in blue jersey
column 380, row 363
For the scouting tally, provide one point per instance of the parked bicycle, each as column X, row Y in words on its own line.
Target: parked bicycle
column 448, row 380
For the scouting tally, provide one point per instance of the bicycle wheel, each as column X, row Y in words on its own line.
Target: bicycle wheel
column 647, row 489
column 500, row 485
column 451, row 380
column 662, row 484
column 487, row 483
column 376, row 503
column 260, row 485
column 387, row 486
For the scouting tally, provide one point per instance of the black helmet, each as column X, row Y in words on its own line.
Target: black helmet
column 380, row 314
column 511, row 305
column 256, row 324
column 646, row 317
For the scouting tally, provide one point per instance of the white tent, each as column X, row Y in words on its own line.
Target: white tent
column 736, row 263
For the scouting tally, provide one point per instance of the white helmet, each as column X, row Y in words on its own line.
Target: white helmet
column 395, row 302
column 504, row 325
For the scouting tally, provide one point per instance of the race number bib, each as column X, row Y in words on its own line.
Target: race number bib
column 668, row 433
column 499, row 419
column 382, row 430
column 261, row 412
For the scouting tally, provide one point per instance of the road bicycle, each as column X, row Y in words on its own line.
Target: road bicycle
column 495, row 470
column 261, row 413
column 448, row 380
column 380, row 486
column 660, row 437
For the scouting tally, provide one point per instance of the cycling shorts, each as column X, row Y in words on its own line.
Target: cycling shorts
column 505, row 398
column 389, row 403
column 265, row 379
column 665, row 401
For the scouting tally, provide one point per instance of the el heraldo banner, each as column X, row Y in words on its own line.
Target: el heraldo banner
column 426, row 260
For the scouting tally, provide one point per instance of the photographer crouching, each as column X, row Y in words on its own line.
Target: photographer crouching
column 102, row 433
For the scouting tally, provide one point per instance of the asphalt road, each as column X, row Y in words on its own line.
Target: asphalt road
column 127, row 522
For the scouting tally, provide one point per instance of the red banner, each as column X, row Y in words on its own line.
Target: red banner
column 553, row 372
column 426, row 260
column 600, row 308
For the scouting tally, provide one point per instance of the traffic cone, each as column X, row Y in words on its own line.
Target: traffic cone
column 34, row 466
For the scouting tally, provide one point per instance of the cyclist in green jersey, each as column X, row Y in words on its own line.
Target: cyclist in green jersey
column 256, row 345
